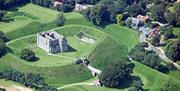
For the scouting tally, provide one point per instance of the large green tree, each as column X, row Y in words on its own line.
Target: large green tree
column 28, row 55
column 172, row 50
column 3, row 36
column 152, row 60
column 116, row 74
column 98, row 14
column 2, row 48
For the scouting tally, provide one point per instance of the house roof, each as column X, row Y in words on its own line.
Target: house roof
column 143, row 18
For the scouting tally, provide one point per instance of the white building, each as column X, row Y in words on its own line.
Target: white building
column 52, row 42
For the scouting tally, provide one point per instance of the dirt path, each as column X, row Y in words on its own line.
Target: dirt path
column 75, row 84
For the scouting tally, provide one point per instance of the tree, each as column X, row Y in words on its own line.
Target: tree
column 171, row 18
column 167, row 32
column 28, row 55
column 2, row 48
column 172, row 50
column 119, row 19
column 116, row 74
column 135, row 10
column 60, row 20
column 98, row 14
column 65, row 8
column 137, row 85
column 155, row 40
column 158, row 12
column 3, row 36
column 171, row 66
column 152, row 60
column 1, row 15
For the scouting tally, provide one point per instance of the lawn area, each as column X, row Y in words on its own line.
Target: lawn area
column 27, row 15
column 176, row 31
column 44, row 14
column 18, row 22
column 81, row 49
column 123, row 34
column 153, row 79
column 89, row 88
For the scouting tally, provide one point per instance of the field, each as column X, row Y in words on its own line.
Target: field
column 28, row 14
column 78, row 49
column 114, row 42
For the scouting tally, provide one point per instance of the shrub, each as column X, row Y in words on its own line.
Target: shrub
column 2, row 48
column 3, row 36
column 116, row 74
column 60, row 20
column 28, row 55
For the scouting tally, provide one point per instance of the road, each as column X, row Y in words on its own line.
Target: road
column 157, row 50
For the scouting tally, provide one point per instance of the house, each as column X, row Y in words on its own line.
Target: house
column 143, row 18
column 52, row 42
column 153, row 32
column 135, row 22
column 80, row 7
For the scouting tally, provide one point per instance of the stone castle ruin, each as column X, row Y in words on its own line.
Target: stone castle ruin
column 52, row 42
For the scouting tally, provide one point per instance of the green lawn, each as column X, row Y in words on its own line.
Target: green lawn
column 19, row 21
column 176, row 31
column 123, row 34
column 90, row 88
column 32, row 14
column 44, row 14
column 45, row 60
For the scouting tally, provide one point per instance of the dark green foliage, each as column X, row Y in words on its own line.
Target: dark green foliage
column 135, row 10
column 167, row 32
column 171, row 18
column 158, row 12
column 2, row 48
column 98, row 14
column 65, row 8
column 171, row 66
column 149, row 58
column 60, row 20
column 116, row 74
column 172, row 50
column 5, row 4
column 3, row 36
column 156, row 40
column 28, row 55
column 87, row 1
column 137, row 85
column 170, row 86
column 45, row 3
column 47, row 88
column 152, row 60
column 29, row 80
column 1, row 15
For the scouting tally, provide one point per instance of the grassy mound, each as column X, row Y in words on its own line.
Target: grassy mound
column 78, row 48
column 69, row 73
column 28, row 19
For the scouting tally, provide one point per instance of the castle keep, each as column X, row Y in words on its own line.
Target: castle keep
column 52, row 42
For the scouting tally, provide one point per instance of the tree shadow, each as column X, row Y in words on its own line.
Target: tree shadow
column 163, row 69
column 7, row 20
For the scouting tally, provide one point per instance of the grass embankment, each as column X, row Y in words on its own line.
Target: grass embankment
column 78, row 48
column 29, row 19
column 62, row 74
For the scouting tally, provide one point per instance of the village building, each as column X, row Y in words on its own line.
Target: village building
column 143, row 18
column 135, row 23
column 80, row 7
column 52, row 42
